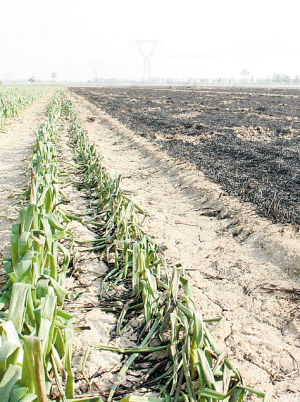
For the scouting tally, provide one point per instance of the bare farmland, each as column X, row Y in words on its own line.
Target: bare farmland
column 247, row 140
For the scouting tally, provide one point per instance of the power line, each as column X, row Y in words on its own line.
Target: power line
column 247, row 50
column 121, row 66
column 119, row 59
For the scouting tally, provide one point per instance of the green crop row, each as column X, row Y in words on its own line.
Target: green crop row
column 14, row 99
column 35, row 332
column 199, row 370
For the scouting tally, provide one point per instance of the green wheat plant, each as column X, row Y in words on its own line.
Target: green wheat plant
column 14, row 99
column 36, row 333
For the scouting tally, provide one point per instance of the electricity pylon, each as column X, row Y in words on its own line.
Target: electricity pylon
column 95, row 66
column 146, row 48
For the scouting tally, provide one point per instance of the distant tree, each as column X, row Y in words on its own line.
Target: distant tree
column 31, row 80
column 245, row 74
column 266, row 81
column 286, row 79
column 281, row 79
column 276, row 78
column 296, row 80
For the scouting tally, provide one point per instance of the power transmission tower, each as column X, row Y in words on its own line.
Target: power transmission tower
column 146, row 48
column 95, row 66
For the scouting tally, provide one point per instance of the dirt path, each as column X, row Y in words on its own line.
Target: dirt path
column 15, row 150
column 242, row 266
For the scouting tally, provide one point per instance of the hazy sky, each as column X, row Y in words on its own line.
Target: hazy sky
column 197, row 38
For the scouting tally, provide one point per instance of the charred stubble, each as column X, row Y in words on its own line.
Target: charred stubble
column 247, row 140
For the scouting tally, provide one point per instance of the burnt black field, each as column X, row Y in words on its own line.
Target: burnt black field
column 245, row 139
